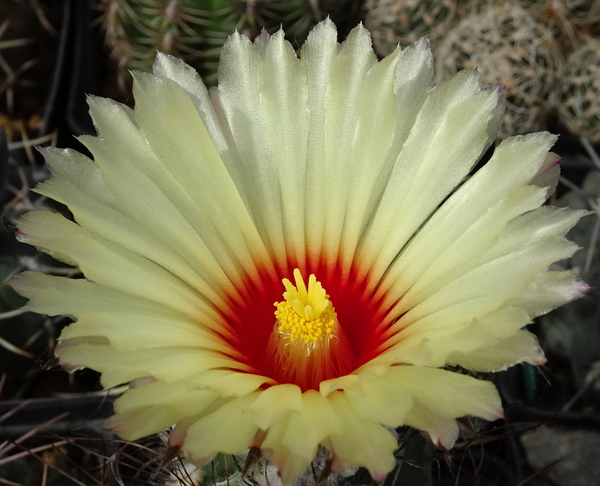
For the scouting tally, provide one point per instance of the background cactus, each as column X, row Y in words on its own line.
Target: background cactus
column 583, row 11
column 577, row 96
column 570, row 20
column 195, row 30
column 507, row 46
column 404, row 21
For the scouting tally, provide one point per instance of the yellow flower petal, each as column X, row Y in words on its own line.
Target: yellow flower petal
column 292, row 442
column 118, row 367
column 153, row 407
column 228, row 429
column 101, row 260
column 521, row 347
column 276, row 402
column 330, row 168
column 449, row 135
column 462, row 395
column 362, row 441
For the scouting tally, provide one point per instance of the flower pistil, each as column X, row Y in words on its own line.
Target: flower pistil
column 307, row 338
column 306, row 317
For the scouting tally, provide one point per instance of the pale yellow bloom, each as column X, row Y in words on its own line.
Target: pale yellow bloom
column 292, row 259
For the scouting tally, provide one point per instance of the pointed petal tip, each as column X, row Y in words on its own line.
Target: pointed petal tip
column 439, row 443
column 200, row 460
column 379, row 477
column 114, row 423
column 327, row 21
column 163, row 61
column 325, row 25
column 233, row 39
column 91, row 98
column 41, row 150
column 360, row 26
column 340, row 466
column 262, row 40
column 159, row 58
column 20, row 235
column 540, row 360
column 423, row 42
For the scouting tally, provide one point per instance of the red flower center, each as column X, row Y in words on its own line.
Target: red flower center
column 358, row 337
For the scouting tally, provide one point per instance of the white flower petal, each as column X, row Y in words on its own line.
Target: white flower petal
column 118, row 367
column 471, row 220
column 433, row 344
column 292, row 441
column 175, row 131
column 66, row 296
column 550, row 290
column 448, row 137
column 113, row 266
column 525, row 249
column 380, row 401
column 440, row 396
column 362, row 442
column 240, row 101
column 329, row 168
column 158, row 331
column 521, row 347
column 485, row 288
column 175, row 69
column 228, row 428
column 77, row 183
column 228, row 384
column 275, row 402
column 354, row 171
column 390, row 98
column 153, row 407
column 143, row 421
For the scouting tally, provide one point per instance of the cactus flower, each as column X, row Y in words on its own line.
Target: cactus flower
column 301, row 257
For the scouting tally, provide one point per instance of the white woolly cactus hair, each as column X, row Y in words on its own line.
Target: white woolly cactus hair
column 577, row 97
column 507, row 46
column 393, row 22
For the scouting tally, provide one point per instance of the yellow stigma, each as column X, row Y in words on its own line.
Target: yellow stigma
column 306, row 316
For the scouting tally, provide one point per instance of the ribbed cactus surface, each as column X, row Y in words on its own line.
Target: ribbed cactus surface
column 195, row 30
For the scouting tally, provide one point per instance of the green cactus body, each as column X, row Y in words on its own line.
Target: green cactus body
column 507, row 46
column 577, row 96
column 195, row 30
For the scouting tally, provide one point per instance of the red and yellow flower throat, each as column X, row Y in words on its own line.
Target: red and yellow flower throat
column 318, row 327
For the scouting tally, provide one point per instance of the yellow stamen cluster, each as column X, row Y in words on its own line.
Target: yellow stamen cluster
column 306, row 316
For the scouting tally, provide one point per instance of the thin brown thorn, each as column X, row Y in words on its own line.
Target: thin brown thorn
column 33, row 431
